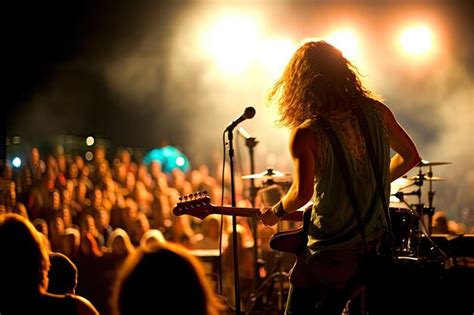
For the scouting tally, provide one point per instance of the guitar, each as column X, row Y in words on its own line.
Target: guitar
column 292, row 241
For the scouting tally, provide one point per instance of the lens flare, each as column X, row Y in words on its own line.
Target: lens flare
column 231, row 41
column 347, row 42
column 417, row 40
column 16, row 162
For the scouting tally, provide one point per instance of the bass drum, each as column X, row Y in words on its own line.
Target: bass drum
column 405, row 228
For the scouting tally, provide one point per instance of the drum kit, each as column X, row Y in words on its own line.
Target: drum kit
column 412, row 222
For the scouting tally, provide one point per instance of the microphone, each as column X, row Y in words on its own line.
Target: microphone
column 248, row 113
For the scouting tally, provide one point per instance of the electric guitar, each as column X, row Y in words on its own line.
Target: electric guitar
column 292, row 241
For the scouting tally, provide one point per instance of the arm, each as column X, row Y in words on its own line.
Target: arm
column 301, row 190
column 406, row 156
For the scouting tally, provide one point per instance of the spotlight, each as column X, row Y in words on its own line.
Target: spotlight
column 417, row 40
column 275, row 53
column 16, row 162
column 346, row 41
column 169, row 157
column 231, row 40
column 16, row 140
column 90, row 141
column 89, row 156
column 180, row 161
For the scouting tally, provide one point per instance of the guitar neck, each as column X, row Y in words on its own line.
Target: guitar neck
column 255, row 213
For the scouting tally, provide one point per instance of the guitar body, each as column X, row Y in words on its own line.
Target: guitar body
column 293, row 241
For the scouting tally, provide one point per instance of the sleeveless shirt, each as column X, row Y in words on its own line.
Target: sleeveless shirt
column 333, row 224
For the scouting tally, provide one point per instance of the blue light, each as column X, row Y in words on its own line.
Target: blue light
column 169, row 157
column 180, row 161
column 16, row 162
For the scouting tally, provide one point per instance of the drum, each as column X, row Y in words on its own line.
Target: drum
column 405, row 230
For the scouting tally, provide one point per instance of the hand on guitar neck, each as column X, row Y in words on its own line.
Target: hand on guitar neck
column 268, row 217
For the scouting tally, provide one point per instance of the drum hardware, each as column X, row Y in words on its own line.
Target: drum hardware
column 409, row 224
column 423, row 178
column 270, row 294
column 401, row 195
column 427, row 163
column 411, row 235
column 267, row 174
column 271, row 290
column 273, row 286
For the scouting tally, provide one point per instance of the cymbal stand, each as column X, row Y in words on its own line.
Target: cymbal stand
column 266, row 291
column 430, row 209
column 422, row 210
column 418, row 210
column 251, row 142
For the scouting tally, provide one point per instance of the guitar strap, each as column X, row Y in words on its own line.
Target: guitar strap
column 344, row 168
column 364, row 126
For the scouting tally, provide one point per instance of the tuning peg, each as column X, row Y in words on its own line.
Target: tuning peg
column 204, row 193
column 180, row 198
column 195, row 195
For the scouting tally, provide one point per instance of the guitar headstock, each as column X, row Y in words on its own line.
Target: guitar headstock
column 197, row 204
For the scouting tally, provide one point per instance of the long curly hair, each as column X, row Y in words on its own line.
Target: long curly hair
column 318, row 80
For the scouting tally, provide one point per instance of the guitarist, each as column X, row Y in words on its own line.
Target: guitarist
column 319, row 82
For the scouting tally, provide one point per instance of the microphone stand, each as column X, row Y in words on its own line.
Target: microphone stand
column 234, row 224
column 430, row 211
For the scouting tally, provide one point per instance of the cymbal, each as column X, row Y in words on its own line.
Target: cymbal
column 269, row 173
column 428, row 163
column 400, row 183
column 428, row 178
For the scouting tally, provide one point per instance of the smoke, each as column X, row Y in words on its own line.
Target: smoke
column 434, row 105
column 152, row 82
column 432, row 102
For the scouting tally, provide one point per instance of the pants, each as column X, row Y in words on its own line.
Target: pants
column 325, row 283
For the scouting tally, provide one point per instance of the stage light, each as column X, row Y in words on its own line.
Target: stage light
column 180, row 161
column 346, row 41
column 16, row 140
column 16, row 162
column 231, row 42
column 417, row 40
column 89, row 156
column 275, row 53
column 90, row 141
column 169, row 157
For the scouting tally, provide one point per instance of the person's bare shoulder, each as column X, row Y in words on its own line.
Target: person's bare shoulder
column 302, row 138
column 84, row 307
column 378, row 105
